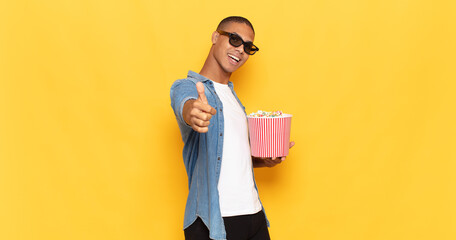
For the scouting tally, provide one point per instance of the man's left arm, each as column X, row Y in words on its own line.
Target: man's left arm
column 269, row 162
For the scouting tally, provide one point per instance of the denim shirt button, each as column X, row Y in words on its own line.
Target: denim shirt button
column 218, row 158
column 221, row 109
column 221, row 134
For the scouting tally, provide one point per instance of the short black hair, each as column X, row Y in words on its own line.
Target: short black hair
column 236, row 19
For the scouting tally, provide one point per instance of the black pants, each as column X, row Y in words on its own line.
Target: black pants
column 244, row 227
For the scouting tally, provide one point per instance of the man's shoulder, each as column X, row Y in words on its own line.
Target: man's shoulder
column 188, row 80
column 184, row 86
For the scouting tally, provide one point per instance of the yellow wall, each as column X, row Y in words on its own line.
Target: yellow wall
column 89, row 147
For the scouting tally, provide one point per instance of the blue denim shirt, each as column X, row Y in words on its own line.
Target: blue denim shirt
column 202, row 154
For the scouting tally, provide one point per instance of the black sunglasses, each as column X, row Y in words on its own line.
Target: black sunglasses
column 236, row 41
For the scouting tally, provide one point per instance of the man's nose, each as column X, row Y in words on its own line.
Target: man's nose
column 240, row 48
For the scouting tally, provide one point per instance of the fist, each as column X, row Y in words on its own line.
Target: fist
column 198, row 113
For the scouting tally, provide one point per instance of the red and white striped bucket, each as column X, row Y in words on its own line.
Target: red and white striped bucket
column 269, row 136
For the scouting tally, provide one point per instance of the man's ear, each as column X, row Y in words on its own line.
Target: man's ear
column 215, row 36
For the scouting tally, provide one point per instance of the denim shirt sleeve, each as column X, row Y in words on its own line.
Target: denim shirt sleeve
column 181, row 91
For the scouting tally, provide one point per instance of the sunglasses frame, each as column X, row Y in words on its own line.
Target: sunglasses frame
column 232, row 35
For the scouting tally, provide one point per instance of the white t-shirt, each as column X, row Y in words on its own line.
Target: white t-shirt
column 237, row 193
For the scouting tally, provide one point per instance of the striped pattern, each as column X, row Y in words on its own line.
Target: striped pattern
column 269, row 136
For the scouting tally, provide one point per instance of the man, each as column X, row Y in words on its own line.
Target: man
column 223, row 200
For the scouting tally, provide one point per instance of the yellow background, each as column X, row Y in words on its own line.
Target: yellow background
column 90, row 149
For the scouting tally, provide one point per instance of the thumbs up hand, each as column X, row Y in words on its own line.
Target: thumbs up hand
column 197, row 113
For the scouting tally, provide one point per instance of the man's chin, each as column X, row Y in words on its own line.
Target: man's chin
column 232, row 69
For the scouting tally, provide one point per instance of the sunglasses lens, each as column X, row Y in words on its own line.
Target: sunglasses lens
column 248, row 48
column 235, row 40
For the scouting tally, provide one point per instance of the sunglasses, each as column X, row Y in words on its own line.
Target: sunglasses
column 236, row 41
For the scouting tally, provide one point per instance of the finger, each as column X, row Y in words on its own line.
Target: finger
column 292, row 143
column 212, row 111
column 205, row 123
column 201, row 95
column 201, row 123
column 206, row 108
column 200, row 129
column 203, row 116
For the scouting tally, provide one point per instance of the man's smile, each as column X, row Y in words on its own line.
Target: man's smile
column 234, row 58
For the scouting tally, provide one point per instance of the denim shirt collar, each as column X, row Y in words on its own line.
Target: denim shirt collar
column 201, row 78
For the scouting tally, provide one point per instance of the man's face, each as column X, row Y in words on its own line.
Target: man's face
column 228, row 57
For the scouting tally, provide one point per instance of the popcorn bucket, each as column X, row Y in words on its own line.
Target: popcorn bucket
column 269, row 136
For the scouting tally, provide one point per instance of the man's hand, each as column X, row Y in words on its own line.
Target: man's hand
column 269, row 162
column 197, row 113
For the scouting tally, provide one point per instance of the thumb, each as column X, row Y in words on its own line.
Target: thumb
column 200, row 89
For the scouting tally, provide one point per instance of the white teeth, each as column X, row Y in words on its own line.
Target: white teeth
column 234, row 57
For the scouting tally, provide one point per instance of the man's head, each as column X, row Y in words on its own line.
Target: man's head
column 232, row 43
column 235, row 19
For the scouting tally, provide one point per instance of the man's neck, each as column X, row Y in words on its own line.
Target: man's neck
column 214, row 72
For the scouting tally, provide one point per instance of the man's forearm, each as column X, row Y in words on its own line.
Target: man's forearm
column 257, row 163
column 266, row 162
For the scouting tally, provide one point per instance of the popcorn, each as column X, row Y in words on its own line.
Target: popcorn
column 261, row 113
